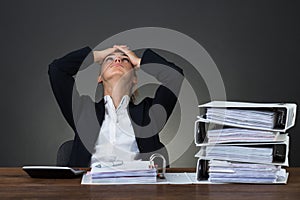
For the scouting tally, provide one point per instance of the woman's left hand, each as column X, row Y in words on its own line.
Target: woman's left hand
column 134, row 59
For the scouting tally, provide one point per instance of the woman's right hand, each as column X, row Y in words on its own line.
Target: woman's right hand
column 99, row 56
column 134, row 59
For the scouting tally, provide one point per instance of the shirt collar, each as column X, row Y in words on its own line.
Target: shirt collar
column 123, row 103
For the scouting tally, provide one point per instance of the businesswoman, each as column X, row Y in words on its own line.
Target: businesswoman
column 115, row 128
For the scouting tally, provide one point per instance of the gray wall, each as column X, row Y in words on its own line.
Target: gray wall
column 253, row 43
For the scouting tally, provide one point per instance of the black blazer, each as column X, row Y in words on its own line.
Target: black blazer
column 85, row 116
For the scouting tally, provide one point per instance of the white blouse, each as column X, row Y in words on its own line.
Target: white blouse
column 116, row 140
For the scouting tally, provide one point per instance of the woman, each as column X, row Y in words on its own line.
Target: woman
column 118, row 129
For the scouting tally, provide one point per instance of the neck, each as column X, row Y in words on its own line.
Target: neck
column 116, row 93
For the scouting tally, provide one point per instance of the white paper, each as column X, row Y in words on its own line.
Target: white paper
column 241, row 135
column 239, row 153
column 260, row 119
column 133, row 171
column 171, row 178
column 289, row 109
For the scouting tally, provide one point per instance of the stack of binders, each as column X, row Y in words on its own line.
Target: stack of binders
column 243, row 142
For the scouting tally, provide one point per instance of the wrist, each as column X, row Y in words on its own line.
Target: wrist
column 138, row 62
column 97, row 56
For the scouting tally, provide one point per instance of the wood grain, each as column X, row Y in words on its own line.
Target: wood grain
column 15, row 183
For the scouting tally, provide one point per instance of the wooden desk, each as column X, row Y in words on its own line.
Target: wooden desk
column 14, row 183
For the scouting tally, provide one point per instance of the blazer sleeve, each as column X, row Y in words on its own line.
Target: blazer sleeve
column 169, row 75
column 61, row 72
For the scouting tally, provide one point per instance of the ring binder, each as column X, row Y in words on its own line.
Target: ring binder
column 202, row 170
column 202, row 138
column 243, row 142
column 284, row 114
column 280, row 118
column 278, row 157
column 200, row 132
column 164, row 165
column 279, row 153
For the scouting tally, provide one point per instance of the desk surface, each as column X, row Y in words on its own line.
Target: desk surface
column 14, row 183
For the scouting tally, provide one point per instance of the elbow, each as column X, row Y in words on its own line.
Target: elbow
column 52, row 67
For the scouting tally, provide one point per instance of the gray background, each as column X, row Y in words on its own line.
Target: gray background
column 255, row 45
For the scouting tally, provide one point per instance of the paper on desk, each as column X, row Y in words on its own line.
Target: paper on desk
column 123, row 167
column 171, row 178
column 124, row 172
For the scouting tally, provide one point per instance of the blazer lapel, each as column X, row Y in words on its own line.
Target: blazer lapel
column 100, row 111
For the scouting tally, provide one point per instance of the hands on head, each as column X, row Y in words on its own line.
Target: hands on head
column 118, row 64
column 99, row 56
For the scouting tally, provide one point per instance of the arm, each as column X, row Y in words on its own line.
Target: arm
column 61, row 72
column 170, row 76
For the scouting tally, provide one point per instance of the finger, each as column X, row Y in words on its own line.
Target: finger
column 123, row 49
column 123, row 46
column 111, row 50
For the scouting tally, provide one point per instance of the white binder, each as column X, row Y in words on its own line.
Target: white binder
column 202, row 125
column 285, row 113
column 280, row 152
column 203, row 175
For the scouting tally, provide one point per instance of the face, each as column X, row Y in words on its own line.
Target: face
column 115, row 66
